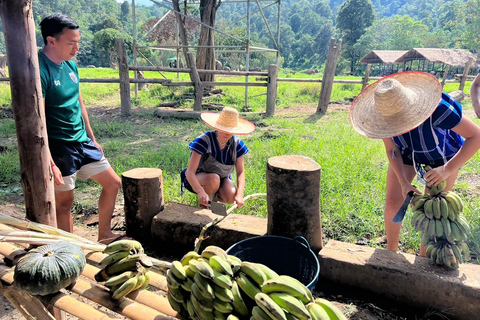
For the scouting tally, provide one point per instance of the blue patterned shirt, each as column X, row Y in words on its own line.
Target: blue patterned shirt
column 434, row 139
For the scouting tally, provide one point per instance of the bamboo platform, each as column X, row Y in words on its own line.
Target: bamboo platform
column 146, row 304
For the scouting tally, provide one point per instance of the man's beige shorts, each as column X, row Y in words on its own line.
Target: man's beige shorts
column 85, row 172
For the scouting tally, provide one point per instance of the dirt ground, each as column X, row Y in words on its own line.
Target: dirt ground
column 356, row 305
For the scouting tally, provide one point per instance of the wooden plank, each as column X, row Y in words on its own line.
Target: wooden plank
column 272, row 89
column 185, row 70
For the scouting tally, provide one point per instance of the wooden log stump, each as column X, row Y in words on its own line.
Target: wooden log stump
column 143, row 197
column 293, row 198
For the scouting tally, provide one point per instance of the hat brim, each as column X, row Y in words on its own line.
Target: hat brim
column 243, row 126
column 368, row 122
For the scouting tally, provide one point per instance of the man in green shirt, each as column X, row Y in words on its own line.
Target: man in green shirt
column 74, row 151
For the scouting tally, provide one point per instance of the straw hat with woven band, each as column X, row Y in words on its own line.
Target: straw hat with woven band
column 395, row 104
column 228, row 121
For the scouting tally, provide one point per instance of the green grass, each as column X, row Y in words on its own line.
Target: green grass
column 353, row 167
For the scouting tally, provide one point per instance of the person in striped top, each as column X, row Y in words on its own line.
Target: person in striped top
column 215, row 156
column 419, row 125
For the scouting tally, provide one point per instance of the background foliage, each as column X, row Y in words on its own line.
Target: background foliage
column 306, row 28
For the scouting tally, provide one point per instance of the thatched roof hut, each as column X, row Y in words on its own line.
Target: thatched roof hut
column 457, row 58
column 382, row 56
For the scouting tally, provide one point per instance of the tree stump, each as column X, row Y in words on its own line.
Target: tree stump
column 293, row 198
column 143, row 197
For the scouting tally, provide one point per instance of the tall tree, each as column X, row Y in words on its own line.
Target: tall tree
column 353, row 18
column 206, row 52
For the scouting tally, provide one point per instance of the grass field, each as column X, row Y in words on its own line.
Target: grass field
column 353, row 167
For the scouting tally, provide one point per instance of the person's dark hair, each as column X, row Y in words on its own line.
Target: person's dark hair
column 54, row 24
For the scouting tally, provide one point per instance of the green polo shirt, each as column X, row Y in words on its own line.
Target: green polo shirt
column 61, row 89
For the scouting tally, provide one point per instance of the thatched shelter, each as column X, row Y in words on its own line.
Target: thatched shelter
column 382, row 56
column 456, row 58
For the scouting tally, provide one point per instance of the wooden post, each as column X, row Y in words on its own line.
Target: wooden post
column 465, row 74
column 366, row 77
column 143, row 197
column 197, row 105
column 329, row 75
column 447, row 69
column 124, row 77
column 293, row 198
column 28, row 110
column 271, row 89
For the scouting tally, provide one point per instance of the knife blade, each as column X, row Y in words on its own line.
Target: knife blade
column 403, row 209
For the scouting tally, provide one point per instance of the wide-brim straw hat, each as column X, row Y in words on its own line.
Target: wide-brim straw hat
column 395, row 104
column 228, row 121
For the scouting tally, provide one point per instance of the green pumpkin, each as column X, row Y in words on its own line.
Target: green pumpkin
column 47, row 269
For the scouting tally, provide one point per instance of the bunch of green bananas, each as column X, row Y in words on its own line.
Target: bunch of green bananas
column 213, row 285
column 446, row 253
column 125, row 268
column 438, row 217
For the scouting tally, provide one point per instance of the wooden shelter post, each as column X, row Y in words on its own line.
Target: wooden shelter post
column 126, row 105
column 329, row 74
column 366, row 77
column 445, row 74
column 28, row 110
column 271, row 88
column 465, row 74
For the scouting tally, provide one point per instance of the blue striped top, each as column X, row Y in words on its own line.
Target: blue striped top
column 434, row 139
column 208, row 143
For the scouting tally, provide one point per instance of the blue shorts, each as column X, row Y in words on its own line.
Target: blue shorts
column 70, row 156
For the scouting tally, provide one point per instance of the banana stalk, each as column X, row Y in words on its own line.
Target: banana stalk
column 43, row 241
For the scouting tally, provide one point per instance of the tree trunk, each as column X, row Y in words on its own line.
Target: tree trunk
column 206, row 56
column 28, row 110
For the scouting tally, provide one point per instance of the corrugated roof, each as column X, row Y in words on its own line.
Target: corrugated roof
column 453, row 57
column 382, row 56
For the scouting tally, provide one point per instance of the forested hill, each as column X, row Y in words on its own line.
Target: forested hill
column 306, row 28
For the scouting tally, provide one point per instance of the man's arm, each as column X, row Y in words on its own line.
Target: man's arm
column 88, row 128
column 475, row 94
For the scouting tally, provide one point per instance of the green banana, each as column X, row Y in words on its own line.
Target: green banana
column 232, row 317
column 222, row 306
column 465, row 250
column 220, row 264
column 418, row 221
column 457, row 252
column 147, row 280
column 202, row 267
column 428, row 208
column 440, row 259
column 197, row 296
column 238, row 303
column 463, row 223
column 186, row 284
column 457, row 232
column 178, row 270
column 438, row 228
column 449, row 257
column 436, row 208
column 204, row 286
column 120, row 278
column 452, row 214
column 172, row 281
column 223, row 294
column 219, row 315
column 259, row 314
column 428, row 249
column 269, row 306
column 269, row 273
column 177, row 294
column 418, row 201
column 248, row 286
column 431, row 227
column 444, row 207
column 124, row 245
column 254, row 272
column 447, row 229
column 210, row 251
column 454, row 201
column 140, row 280
column 177, row 306
column 189, row 256
column 235, row 263
column 222, row 280
column 125, row 288
column 333, row 312
column 131, row 262
column 189, row 272
column 201, row 310
column 316, row 311
column 114, row 257
column 287, row 285
column 290, row 304
column 434, row 253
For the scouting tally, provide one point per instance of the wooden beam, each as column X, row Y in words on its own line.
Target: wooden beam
column 28, row 110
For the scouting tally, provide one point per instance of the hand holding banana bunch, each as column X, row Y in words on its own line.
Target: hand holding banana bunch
column 214, row 285
column 125, row 268
column 444, row 230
